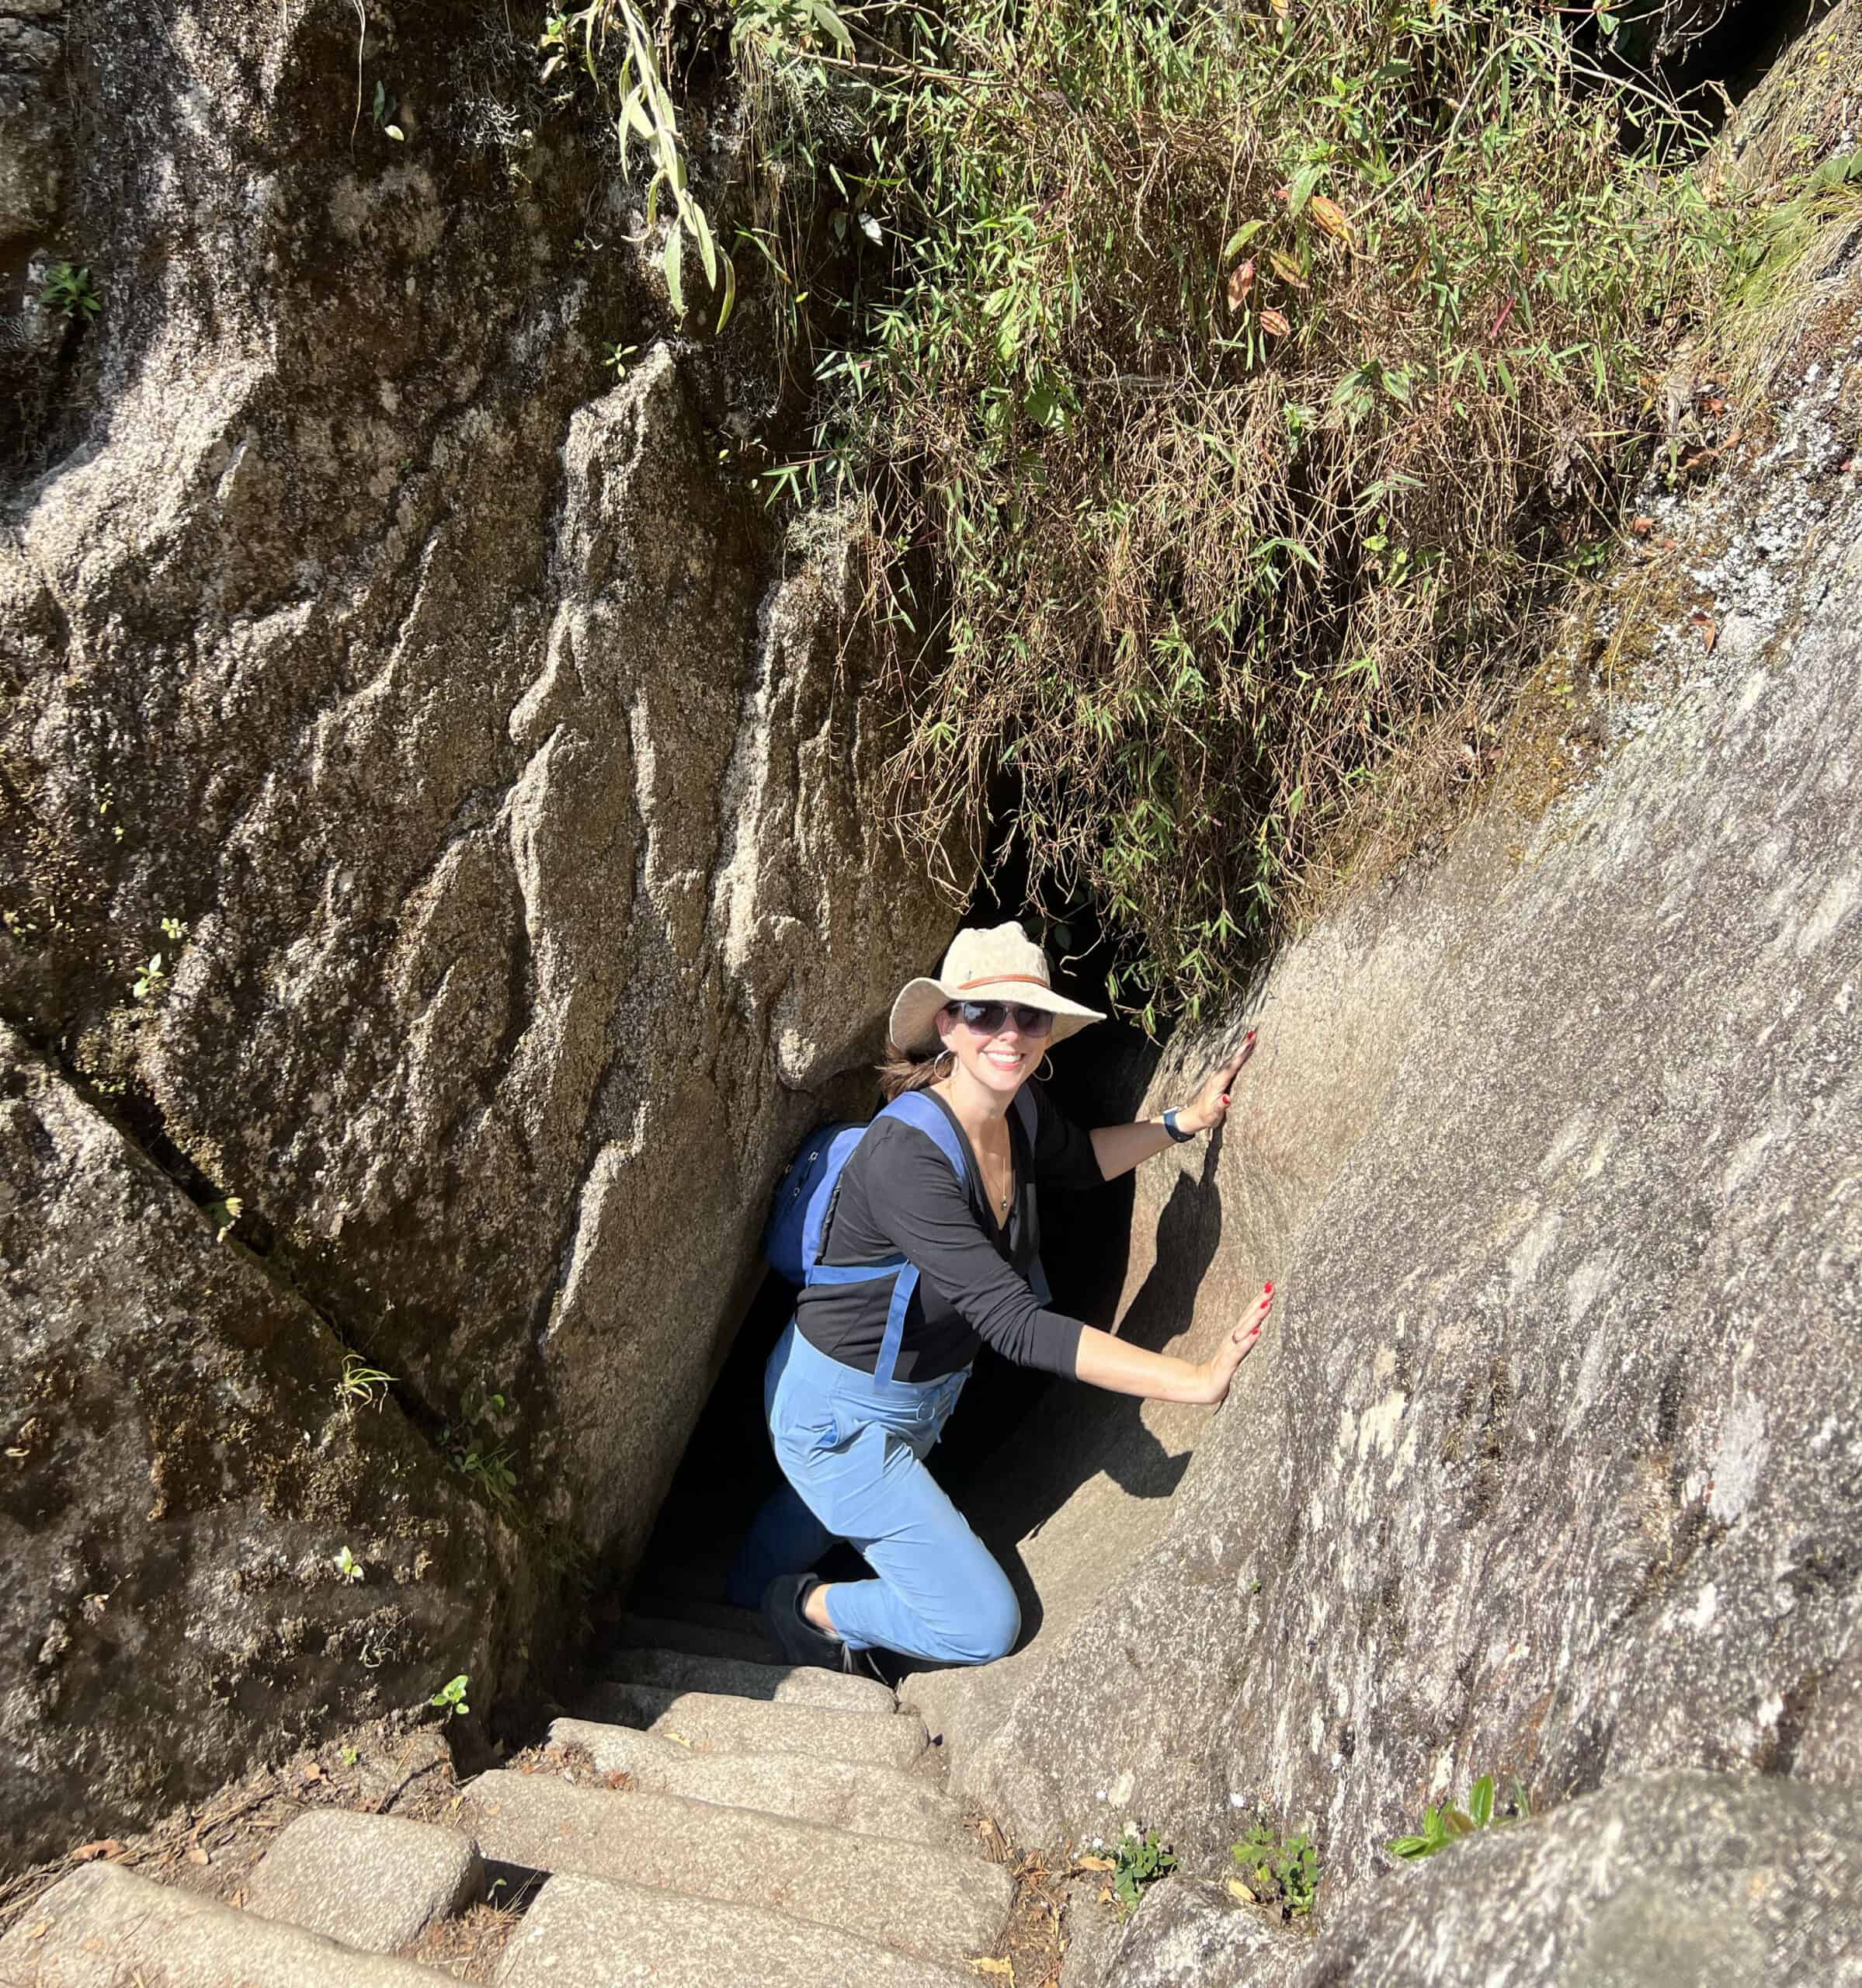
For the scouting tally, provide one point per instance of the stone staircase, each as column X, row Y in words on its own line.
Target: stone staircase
column 774, row 1826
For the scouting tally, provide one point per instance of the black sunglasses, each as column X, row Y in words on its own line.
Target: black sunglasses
column 987, row 1017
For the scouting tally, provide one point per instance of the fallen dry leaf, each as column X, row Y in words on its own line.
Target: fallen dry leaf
column 1708, row 626
column 1281, row 9
column 105, row 1846
column 1641, row 527
column 196, row 1855
column 1241, row 280
column 313, row 1772
column 1238, row 1889
column 39, row 1932
column 1276, row 322
column 1005, row 1968
column 1097, row 1863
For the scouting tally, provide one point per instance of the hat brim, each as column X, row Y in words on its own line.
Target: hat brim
column 914, row 1024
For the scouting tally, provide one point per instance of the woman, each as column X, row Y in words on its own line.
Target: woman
column 860, row 1385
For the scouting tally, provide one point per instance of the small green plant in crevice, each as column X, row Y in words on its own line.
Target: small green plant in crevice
column 1448, row 1824
column 382, row 114
column 1138, row 1861
column 359, row 1381
column 450, row 1698
column 473, row 1450
column 1276, row 1870
column 152, row 982
column 347, row 1566
column 223, row 1215
column 70, row 292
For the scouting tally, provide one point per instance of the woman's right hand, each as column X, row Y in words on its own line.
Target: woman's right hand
column 1218, row 1370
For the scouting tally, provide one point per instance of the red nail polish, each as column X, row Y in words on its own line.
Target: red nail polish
column 1267, row 1287
column 1224, row 1098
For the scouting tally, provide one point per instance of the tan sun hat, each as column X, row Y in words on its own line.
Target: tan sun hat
column 1000, row 963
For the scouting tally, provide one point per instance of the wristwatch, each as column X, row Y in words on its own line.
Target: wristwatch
column 1176, row 1130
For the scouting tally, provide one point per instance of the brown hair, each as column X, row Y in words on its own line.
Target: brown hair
column 901, row 1072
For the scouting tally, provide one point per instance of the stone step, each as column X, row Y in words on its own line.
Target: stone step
column 712, row 1722
column 743, row 1646
column 372, row 1881
column 674, row 1670
column 593, row 1933
column 847, row 1794
column 941, row 1907
column 104, row 1926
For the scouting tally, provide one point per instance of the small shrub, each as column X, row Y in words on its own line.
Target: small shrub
column 348, row 1565
column 451, row 1697
column 477, row 1457
column 360, row 1382
column 1448, row 1824
column 1276, row 1870
column 70, row 292
column 1138, row 1861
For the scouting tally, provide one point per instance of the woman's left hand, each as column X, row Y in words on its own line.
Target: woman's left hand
column 1210, row 1106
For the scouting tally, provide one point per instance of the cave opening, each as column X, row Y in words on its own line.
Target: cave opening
column 1096, row 1077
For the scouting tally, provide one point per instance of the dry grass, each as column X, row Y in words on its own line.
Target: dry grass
column 1236, row 390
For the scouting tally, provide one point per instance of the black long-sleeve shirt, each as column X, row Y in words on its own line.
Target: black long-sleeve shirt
column 899, row 1197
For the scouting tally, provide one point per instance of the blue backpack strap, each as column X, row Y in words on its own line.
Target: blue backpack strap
column 915, row 1108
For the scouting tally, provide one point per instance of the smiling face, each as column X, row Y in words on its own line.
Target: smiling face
column 999, row 1062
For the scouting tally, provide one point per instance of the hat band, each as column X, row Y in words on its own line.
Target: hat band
column 995, row 979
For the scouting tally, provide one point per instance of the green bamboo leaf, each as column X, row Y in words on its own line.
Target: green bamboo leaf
column 672, row 260
column 701, row 230
column 725, row 310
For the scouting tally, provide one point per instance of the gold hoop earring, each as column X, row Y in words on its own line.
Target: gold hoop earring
column 947, row 1058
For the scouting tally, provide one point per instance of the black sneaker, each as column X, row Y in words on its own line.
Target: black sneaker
column 797, row 1640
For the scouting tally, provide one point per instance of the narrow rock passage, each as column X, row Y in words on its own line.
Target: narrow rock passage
column 760, row 1824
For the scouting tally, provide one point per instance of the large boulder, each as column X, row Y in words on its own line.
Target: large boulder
column 1550, row 1465
column 183, row 1469
column 498, row 787
column 1668, row 1881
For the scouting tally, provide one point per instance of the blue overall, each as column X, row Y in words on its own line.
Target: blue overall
column 852, row 1446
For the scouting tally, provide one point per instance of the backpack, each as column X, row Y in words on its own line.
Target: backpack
column 803, row 1204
